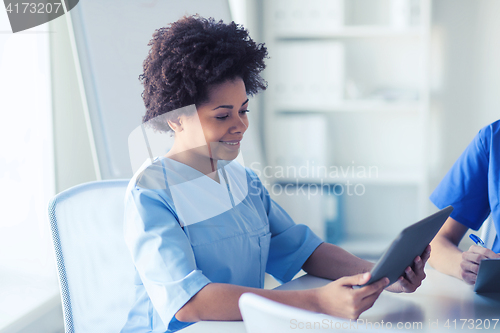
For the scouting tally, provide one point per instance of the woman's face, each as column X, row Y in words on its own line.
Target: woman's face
column 223, row 119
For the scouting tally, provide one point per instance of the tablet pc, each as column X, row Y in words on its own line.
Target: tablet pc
column 410, row 242
column 488, row 276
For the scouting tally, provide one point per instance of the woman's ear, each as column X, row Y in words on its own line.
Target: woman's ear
column 175, row 125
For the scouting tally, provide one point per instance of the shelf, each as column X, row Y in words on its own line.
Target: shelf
column 352, row 32
column 345, row 174
column 353, row 106
column 364, row 75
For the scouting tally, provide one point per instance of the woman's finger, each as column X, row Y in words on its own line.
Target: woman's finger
column 368, row 301
column 483, row 252
column 473, row 257
column 418, row 265
column 469, row 277
column 355, row 280
column 410, row 275
column 372, row 289
column 426, row 254
column 404, row 284
column 468, row 266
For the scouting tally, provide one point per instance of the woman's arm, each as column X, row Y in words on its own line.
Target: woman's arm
column 446, row 257
column 219, row 301
column 331, row 262
column 449, row 259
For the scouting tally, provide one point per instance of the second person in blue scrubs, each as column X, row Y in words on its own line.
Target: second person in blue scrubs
column 202, row 229
column 472, row 187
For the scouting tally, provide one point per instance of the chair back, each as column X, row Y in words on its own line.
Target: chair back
column 261, row 315
column 96, row 272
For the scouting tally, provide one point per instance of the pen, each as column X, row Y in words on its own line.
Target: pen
column 477, row 240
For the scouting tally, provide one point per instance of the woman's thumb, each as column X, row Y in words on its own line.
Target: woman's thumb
column 364, row 277
column 358, row 279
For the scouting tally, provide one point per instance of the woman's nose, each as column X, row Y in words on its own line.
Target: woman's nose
column 240, row 125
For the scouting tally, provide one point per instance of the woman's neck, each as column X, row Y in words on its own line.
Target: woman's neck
column 197, row 158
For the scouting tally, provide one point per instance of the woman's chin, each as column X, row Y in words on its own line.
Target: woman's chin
column 227, row 156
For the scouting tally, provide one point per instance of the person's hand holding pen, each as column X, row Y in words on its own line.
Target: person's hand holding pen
column 472, row 258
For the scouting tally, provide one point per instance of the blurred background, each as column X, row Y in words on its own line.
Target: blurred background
column 369, row 103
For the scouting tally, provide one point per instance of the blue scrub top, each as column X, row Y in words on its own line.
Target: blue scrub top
column 185, row 230
column 472, row 185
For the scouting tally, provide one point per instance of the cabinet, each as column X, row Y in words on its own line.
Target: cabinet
column 348, row 105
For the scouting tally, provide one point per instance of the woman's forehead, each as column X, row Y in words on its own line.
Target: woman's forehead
column 230, row 91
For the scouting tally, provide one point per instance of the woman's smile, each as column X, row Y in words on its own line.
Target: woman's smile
column 234, row 144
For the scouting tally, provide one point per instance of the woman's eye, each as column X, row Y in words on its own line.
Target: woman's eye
column 226, row 116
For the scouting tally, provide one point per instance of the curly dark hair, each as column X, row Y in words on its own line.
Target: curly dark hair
column 192, row 54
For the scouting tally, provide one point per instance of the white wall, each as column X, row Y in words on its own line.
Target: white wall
column 466, row 96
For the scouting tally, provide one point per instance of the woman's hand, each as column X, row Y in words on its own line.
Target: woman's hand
column 471, row 260
column 413, row 276
column 339, row 299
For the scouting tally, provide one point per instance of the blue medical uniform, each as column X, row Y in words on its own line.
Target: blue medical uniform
column 185, row 230
column 472, row 185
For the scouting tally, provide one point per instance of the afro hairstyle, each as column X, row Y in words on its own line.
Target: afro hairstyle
column 191, row 54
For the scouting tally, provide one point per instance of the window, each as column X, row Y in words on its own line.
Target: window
column 27, row 265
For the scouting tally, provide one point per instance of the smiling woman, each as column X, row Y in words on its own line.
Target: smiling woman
column 201, row 228
column 192, row 54
column 214, row 132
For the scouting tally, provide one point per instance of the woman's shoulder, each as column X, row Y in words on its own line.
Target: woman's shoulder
column 150, row 176
column 493, row 130
column 489, row 135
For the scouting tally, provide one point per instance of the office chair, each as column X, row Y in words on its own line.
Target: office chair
column 261, row 315
column 96, row 273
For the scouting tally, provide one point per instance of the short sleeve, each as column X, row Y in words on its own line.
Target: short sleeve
column 291, row 244
column 465, row 186
column 161, row 252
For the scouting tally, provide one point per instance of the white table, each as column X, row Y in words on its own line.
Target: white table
column 441, row 304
